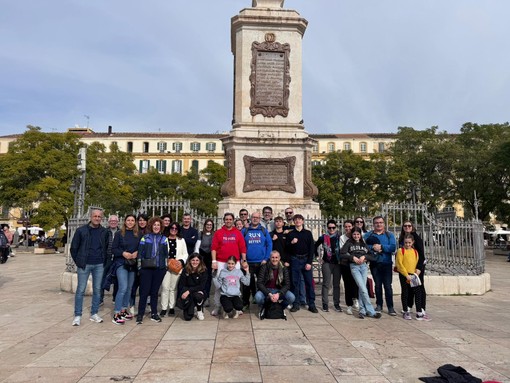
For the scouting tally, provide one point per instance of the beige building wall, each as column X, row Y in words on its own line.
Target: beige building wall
column 181, row 151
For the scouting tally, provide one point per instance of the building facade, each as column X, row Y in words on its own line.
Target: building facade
column 180, row 152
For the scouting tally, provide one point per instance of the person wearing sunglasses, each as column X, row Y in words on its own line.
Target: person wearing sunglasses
column 244, row 216
column 408, row 228
column 289, row 220
column 330, row 243
column 360, row 222
column 176, row 249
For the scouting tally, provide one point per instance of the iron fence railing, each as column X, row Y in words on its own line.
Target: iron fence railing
column 452, row 247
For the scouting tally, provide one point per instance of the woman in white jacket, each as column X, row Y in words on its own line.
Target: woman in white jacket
column 177, row 249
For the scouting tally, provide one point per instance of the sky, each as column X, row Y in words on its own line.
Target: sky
column 166, row 66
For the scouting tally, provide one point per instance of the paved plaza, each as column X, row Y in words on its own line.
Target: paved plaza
column 38, row 343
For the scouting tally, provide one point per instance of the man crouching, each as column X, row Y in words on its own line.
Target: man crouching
column 273, row 284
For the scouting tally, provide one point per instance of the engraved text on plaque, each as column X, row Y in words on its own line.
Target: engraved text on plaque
column 270, row 79
column 269, row 174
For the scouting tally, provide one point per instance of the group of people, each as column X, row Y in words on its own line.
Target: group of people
column 251, row 259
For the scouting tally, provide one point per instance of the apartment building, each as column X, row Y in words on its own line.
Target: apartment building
column 180, row 152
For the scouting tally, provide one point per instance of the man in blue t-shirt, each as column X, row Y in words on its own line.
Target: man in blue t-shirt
column 258, row 250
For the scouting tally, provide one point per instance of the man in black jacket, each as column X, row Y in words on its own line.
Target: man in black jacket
column 88, row 249
column 301, row 247
column 273, row 283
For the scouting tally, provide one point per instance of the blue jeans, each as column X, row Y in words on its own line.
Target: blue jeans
column 289, row 298
column 125, row 279
column 297, row 267
column 383, row 276
column 83, row 277
column 359, row 273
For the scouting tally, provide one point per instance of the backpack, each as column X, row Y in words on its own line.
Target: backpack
column 274, row 310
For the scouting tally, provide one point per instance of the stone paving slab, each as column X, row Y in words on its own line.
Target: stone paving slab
column 38, row 343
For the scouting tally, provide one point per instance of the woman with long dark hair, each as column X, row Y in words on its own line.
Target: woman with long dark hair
column 141, row 221
column 203, row 247
column 357, row 253
column 191, row 287
column 409, row 228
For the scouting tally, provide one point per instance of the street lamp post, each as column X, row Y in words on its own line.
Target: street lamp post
column 80, row 195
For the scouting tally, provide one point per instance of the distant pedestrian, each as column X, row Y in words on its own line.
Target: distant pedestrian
column 4, row 243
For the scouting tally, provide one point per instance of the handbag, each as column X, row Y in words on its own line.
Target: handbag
column 130, row 262
column 149, row 263
column 174, row 265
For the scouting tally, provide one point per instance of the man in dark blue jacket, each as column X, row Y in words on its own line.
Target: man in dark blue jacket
column 88, row 249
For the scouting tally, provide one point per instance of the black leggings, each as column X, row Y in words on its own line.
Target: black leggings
column 410, row 299
column 418, row 291
column 193, row 300
column 231, row 303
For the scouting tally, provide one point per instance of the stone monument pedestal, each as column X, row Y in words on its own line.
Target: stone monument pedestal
column 268, row 151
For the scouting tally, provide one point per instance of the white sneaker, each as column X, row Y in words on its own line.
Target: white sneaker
column 96, row 318
column 236, row 314
column 356, row 304
column 349, row 310
column 200, row 315
column 225, row 316
column 132, row 310
column 216, row 312
column 77, row 320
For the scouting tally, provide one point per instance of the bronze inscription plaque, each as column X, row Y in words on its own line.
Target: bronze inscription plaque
column 269, row 174
column 274, row 174
column 270, row 79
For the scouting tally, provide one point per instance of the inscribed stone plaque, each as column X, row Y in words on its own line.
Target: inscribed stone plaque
column 269, row 174
column 270, row 78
